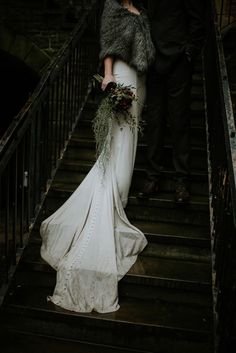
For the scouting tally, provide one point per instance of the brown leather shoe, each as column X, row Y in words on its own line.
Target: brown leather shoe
column 150, row 188
column 182, row 195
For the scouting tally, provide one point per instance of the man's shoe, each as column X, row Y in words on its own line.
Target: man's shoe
column 150, row 188
column 182, row 195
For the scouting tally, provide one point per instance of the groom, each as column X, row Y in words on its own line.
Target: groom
column 177, row 28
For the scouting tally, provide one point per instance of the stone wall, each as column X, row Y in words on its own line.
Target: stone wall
column 33, row 30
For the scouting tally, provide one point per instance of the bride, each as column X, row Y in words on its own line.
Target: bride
column 89, row 240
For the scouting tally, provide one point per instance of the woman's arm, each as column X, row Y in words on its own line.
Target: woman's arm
column 108, row 72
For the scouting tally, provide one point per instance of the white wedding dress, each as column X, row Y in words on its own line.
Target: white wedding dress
column 89, row 240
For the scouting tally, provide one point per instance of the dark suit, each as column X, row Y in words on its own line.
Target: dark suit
column 177, row 28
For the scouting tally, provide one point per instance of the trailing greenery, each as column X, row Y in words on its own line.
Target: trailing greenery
column 114, row 109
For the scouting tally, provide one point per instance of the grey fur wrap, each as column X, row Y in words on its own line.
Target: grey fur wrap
column 126, row 36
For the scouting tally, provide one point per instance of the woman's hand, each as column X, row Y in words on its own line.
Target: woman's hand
column 107, row 79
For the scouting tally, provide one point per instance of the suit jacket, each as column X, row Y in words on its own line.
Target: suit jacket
column 177, row 28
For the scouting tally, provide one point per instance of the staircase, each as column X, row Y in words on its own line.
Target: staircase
column 166, row 300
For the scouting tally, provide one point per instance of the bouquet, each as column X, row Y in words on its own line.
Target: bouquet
column 115, row 106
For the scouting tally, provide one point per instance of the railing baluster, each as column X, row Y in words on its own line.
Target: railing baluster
column 22, row 192
column 60, row 127
column 55, row 119
column 14, row 206
column 7, row 217
column 33, row 145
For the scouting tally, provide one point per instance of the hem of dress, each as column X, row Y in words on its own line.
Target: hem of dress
column 79, row 310
column 129, row 263
column 46, row 256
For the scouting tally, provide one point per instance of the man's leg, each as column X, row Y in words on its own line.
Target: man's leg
column 179, row 98
column 156, row 112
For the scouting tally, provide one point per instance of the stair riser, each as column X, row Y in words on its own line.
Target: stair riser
column 197, row 105
column 201, row 242
column 197, row 134
column 167, row 215
column 146, row 338
column 196, row 294
column 196, row 99
column 168, row 291
column 177, row 252
column 198, row 158
column 27, row 342
column 179, row 240
column 153, row 250
column 145, row 213
column 167, row 183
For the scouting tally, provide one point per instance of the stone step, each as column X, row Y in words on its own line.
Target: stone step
column 160, row 208
column 175, row 233
column 71, row 171
column 149, row 278
column 154, row 325
column 198, row 133
column 197, row 115
column 157, row 232
column 197, row 98
column 84, row 149
column 163, row 208
column 178, row 252
column 198, row 142
column 27, row 342
column 158, row 266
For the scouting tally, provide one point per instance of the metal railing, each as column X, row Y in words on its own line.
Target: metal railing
column 32, row 147
column 222, row 176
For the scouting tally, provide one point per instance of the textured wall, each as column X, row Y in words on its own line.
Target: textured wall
column 33, row 30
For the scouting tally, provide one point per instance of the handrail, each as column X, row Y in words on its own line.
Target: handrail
column 221, row 138
column 33, row 145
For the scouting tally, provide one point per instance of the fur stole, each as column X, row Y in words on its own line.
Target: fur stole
column 126, row 36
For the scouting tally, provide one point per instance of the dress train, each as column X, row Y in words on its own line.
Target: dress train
column 89, row 240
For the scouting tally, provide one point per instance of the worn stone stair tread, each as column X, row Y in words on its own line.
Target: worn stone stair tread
column 75, row 170
column 28, row 342
column 84, row 149
column 132, row 312
column 196, row 91
column 89, row 142
column 160, row 208
column 86, row 138
column 166, row 229
column 172, row 270
column 177, row 251
column 171, row 229
column 197, row 120
column 145, row 287
column 157, row 268
column 178, row 234
column 68, row 174
column 88, row 114
column 160, row 233
column 84, row 166
column 62, row 189
column 92, row 103
column 84, row 129
column 198, row 155
column 197, row 132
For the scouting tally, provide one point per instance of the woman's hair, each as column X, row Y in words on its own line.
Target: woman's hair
column 135, row 2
